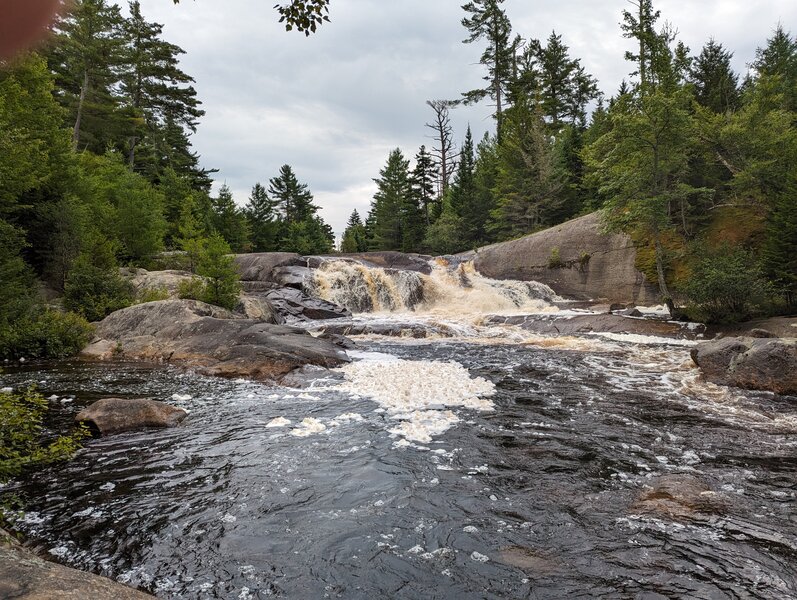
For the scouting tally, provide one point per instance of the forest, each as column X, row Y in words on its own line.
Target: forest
column 696, row 162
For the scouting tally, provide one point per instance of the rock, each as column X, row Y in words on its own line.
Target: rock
column 761, row 333
column 292, row 303
column 258, row 266
column 157, row 280
column 678, row 496
column 258, row 308
column 116, row 415
column 785, row 327
column 304, row 377
column 393, row 260
column 752, row 363
column 291, row 276
column 341, row 341
column 616, row 307
column 392, row 328
column 595, row 264
column 552, row 324
column 25, row 576
column 633, row 312
column 194, row 334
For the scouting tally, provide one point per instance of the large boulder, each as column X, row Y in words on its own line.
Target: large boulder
column 258, row 308
column 577, row 259
column 553, row 324
column 259, row 265
column 295, row 304
column 25, row 576
column 291, row 276
column 197, row 335
column 116, row 415
column 768, row 364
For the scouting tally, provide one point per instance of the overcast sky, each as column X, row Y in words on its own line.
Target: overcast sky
column 333, row 105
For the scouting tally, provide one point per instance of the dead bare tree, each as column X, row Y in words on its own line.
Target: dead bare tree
column 444, row 150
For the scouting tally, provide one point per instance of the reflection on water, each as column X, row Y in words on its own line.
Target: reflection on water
column 530, row 500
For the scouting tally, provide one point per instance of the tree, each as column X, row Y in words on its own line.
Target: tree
column 423, row 181
column 311, row 236
column 87, row 52
column 263, row 220
column 444, row 152
column 153, row 85
column 463, row 199
column 229, row 221
column 304, row 15
column 292, row 199
column 221, row 278
column 640, row 26
column 776, row 67
column 487, row 21
column 716, row 85
column 387, row 207
column 355, row 236
column 485, row 176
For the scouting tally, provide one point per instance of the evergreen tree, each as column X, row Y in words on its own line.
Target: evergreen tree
column 463, row 198
column 487, row 21
column 776, row 68
column 217, row 267
column 310, row 236
column 153, row 85
column 485, row 176
column 86, row 55
column 423, row 181
column 263, row 221
column 293, row 199
column 229, row 221
column 387, row 207
column 640, row 26
column 716, row 85
column 355, row 236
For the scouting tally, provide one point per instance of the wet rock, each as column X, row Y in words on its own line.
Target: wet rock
column 25, row 576
column 529, row 560
column 341, row 341
column 259, row 265
column 407, row 329
column 595, row 264
column 608, row 323
column 210, row 339
column 678, row 496
column 616, row 307
column 750, row 363
column 116, row 415
column 394, row 260
column 293, row 303
column 761, row 333
column 291, row 276
column 304, row 377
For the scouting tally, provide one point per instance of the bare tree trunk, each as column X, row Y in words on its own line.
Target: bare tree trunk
column 81, row 101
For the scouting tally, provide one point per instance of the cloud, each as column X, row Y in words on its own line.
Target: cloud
column 333, row 105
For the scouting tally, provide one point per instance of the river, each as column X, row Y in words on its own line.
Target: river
column 487, row 462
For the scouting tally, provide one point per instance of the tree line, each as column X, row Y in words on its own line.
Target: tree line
column 694, row 163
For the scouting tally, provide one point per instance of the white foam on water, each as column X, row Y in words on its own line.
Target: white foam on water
column 181, row 397
column 278, row 422
column 308, row 427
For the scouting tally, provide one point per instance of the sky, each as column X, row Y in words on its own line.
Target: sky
column 333, row 105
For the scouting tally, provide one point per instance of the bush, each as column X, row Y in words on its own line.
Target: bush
column 152, row 295
column 555, row 259
column 191, row 289
column 215, row 264
column 94, row 291
column 49, row 334
column 21, row 428
column 726, row 288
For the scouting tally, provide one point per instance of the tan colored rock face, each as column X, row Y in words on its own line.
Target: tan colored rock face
column 610, row 273
column 116, row 415
column 678, row 496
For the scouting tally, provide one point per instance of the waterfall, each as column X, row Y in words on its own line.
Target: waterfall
column 448, row 289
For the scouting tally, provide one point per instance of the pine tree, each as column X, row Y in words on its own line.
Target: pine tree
column 463, row 199
column 423, row 181
column 229, row 221
column 487, row 21
column 86, row 54
column 776, row 65
column 293, row 199
column 263, row 220
column 716, row 85
column 485, row 176
column 640, row 26
column 393, row 190
column 154, row 87
column 355, row 236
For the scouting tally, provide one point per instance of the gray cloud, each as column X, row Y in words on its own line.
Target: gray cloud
column 334, row 104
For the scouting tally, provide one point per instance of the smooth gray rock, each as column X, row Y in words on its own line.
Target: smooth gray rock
column 259, row 265
column 169, row 280
column 608, row 323
column 293, row 303
column 258, row 308
column 291, row 276
column 392, row 260
column 750, row 363
column 609, row 273
column 25, row 576
column 194, row 334
column 116, row 415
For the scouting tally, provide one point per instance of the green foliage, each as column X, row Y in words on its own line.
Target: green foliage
column 229, row 221
column 555, row 259
column 444, row 235
column 389, row 225
column 727, row 287
column 152, row 295
column 21, row 428
column 45, row 334
column 191, row 289
column 261, row 215
column 355, row 237
column 311, row 236
column 94, row 287
column 221, row 278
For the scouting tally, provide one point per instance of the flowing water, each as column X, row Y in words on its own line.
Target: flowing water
column 479, row 461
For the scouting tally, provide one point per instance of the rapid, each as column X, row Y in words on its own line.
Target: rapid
column 458, row 455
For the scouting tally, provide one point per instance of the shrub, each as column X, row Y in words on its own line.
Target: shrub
column 222, row 286
column 94, row 291
column 152, row 295
column 191, row 289
column 726, row 288
column 21, row 429
column 49, row 334
column 555, row 259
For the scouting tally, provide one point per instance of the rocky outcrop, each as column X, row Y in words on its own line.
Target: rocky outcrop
column 575, row 258
column 293, row 303
column 168, row 281
column 554, row 324
column 259, row 265
column 194, row 334
column 768, row 364
column 116, row 415
column 393, row 260
column 25, row 576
